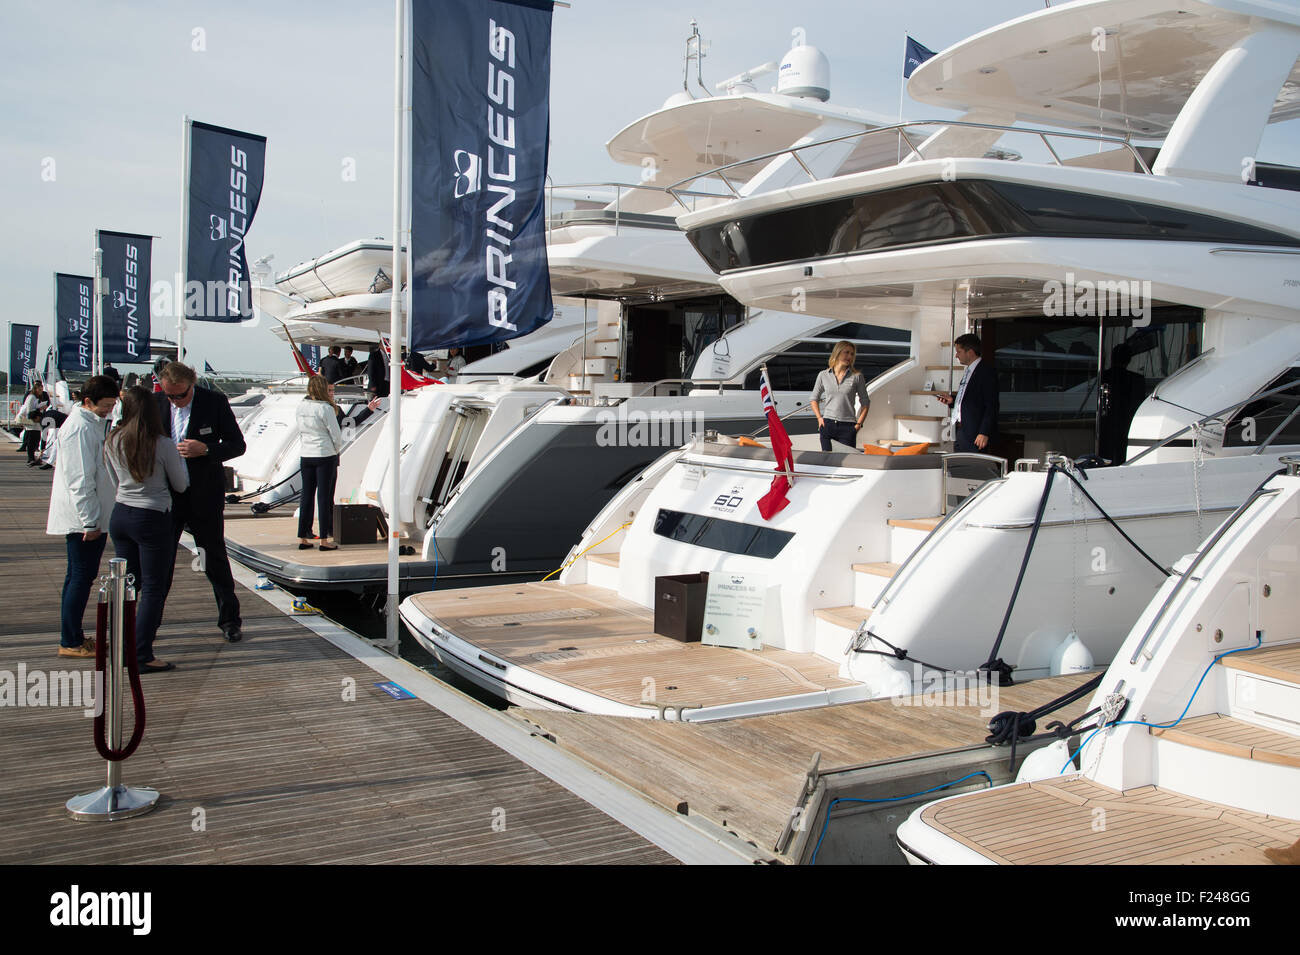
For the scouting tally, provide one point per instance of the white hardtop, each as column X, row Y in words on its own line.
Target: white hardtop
column 698, row 135
column 1043, row 67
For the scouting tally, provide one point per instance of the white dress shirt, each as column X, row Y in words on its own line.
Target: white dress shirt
column 961, row 392
column 180, row 421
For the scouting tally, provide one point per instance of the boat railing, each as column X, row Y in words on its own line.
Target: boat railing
column 653, row 387
column 619, row 216
column 900, row 130
column 967, row 457
column 1237, row 406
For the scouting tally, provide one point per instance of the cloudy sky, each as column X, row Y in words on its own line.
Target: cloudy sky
column 93, row 92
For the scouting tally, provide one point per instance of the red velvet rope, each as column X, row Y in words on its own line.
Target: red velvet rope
column 133, row 673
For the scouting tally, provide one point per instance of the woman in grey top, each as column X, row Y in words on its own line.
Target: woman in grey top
column 144, row 468
column 832, row 398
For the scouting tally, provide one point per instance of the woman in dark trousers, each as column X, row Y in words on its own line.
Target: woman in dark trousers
column 144, row 467
column 322, row 440
column 35, row 403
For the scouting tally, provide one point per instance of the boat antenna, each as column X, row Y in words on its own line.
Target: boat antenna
column 696, row 49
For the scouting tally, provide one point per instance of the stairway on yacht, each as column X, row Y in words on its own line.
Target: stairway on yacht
column 1182, row 818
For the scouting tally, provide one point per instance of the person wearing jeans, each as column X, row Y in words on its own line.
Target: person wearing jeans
column 144, row 468
column 833, row 397
column 321, row 442
column 81, row 500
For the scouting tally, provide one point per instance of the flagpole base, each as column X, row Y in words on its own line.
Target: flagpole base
column 107, row 804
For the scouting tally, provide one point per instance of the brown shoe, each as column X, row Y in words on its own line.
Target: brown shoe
column 87, row 649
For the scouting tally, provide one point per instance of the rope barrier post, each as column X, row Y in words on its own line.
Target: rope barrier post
column 113, row 800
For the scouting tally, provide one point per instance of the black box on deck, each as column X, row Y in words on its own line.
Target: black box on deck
column 356, row 523
column 229, row 473
column 679, row 606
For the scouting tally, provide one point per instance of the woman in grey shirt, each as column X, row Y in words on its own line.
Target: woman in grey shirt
column 832, row 398
column 144, row 468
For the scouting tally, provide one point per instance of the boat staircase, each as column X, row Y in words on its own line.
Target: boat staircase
column 925, row 420
column 1247, row 753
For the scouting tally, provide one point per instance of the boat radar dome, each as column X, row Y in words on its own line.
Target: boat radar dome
column 677, row 99
column 805, row 72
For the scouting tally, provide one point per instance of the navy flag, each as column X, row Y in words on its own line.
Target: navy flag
column 22, row 353
column 311, row 354
column 126, row 268
column 74, row 318
column 226, row 170
column 480, row 125
column 913, row 56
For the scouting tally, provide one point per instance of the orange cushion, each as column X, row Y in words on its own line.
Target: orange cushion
column 876, row 449
column 921, row 448
column 746, row 442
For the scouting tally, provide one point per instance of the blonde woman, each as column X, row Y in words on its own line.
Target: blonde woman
column 318, row 426
column 832, row 398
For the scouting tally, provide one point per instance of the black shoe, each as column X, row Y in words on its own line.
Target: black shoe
column 233, row 634
column 47, row 467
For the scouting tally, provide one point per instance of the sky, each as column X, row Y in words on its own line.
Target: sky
column 92, row 95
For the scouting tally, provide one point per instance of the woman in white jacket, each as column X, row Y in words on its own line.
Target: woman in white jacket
column 322, row 440
column 81, row 502
column 35, row 403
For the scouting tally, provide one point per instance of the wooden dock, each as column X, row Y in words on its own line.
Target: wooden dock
column 748, row 774
column 258, row 749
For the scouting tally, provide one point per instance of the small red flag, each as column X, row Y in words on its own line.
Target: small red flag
column 775, row 500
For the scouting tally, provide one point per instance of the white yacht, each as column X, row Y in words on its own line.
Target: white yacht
column 869, row 579
column 1196, row 741
column 658, row 353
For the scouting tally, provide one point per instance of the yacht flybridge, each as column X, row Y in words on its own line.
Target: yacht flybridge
column 656, row 353
column 1131, row 262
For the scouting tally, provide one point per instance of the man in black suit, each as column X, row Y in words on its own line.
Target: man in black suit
column 377, row 373
column 331, row 366
column 206, row 434
column 975, row 416
column 349, row 363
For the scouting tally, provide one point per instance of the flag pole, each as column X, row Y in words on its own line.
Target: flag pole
column 395, row 328
column 902, row 85
column 9, row 411
column 97, row 322
column 185, row 238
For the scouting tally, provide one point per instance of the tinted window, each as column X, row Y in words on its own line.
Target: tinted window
column 733, row 537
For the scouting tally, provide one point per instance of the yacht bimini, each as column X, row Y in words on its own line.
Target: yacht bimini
column 1131, row 262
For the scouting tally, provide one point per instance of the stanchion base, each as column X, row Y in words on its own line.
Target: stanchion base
column 105, row 804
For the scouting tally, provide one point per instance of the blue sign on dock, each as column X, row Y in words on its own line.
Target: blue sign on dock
column 395, row 691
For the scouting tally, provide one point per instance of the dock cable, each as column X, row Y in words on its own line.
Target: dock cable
column 897, row 653
column 133, row 675
column 997, row 667
column 1259, row 639
column 566, row 564
column 241, row 498
column 934, row 789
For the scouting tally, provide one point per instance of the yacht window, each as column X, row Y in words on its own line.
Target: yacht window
column 796, row 368
column 733, row 537
column 934, row 212
column 1257, row 420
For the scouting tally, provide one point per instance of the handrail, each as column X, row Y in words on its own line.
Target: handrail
column 618, row 197
column 966, row 456
column 1210, row 417
column 766, row 470
column 1201, row 554
column 681, row 381
column 933, row 535
column 900, row 129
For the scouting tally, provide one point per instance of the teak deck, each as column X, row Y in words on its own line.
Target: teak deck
column 590, row 638
column 277, row 537
column 1055, row 824
column 748, row 773
column 258, row 736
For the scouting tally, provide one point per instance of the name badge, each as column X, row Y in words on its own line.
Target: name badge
column 205, row 430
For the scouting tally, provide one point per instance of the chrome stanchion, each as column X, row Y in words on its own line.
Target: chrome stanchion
column 114, row 800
